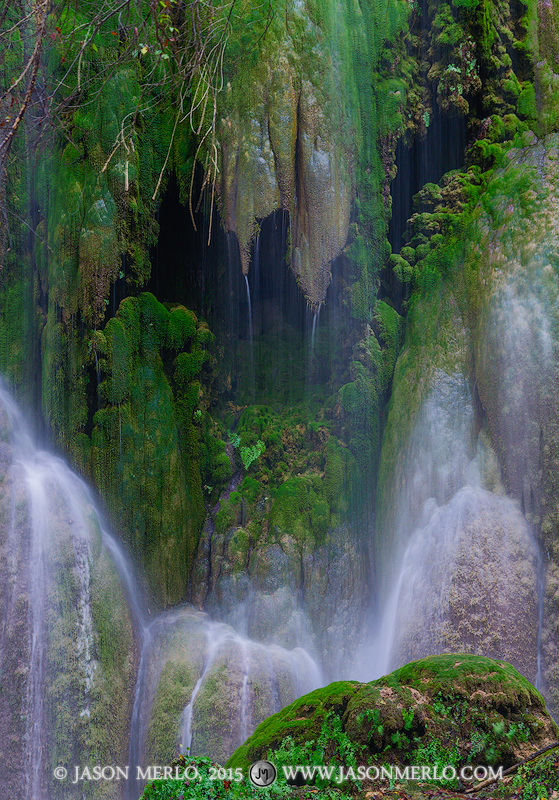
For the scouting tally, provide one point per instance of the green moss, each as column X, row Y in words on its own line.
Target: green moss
column 213, row 711
column 339, row 477
column 451, row 675
column 250, row 489
column 181, row 328
column 221, row 467
column 228, row 514
column 391, row 328
column 145, row 444
column 526, row 103
column 301, row 509
column 174, row 689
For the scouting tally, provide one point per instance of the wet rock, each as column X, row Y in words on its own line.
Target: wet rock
column 294, row 148
column 469, row 583
column 67, row 651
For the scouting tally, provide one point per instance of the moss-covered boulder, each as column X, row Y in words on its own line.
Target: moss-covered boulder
column 448, row 709
column 145, row 444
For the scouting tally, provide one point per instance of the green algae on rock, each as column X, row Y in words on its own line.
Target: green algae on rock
column 145, row 443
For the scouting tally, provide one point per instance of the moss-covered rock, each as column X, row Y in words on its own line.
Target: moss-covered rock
column 278, row 556
column 145, row 444
column 447, row 709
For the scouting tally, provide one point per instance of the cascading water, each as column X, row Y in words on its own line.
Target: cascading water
column 468, row 583
column 458, row 515
column 58, row 578
column 228, row 685
column 250, row 337
column 64, row 561
column 315, row 327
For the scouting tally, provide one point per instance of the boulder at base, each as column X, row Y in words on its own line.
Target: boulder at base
column 452, row 710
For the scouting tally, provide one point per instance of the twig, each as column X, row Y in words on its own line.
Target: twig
column 167, row 157
column 489, row 781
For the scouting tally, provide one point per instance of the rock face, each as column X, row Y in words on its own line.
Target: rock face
column 294, row 145
column 66, row 641
column 462, row 709
column 469, row 583
column 294, row 595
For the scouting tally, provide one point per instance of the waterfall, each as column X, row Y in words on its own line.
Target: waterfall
column 36, row 724
column 64, row 534
column 58, row 564
column 462, row 573
column 224, row 677
column 316, row 318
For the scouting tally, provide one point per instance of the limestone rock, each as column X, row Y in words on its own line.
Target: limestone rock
column 292, row 147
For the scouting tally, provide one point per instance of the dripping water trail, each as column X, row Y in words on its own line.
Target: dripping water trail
column 144, row 634
column 53, row 489
column 36, row 724
column 312, row 363
column 314, row 330
column 244, row 700
column 134, row 787
column 214, row 639
column 186, row 724
column 541, row 595
column 255, row 269
column 251, row 345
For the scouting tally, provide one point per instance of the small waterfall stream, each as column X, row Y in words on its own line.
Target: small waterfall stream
column 316, row 318
column 260, row 680
column 36, row 726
